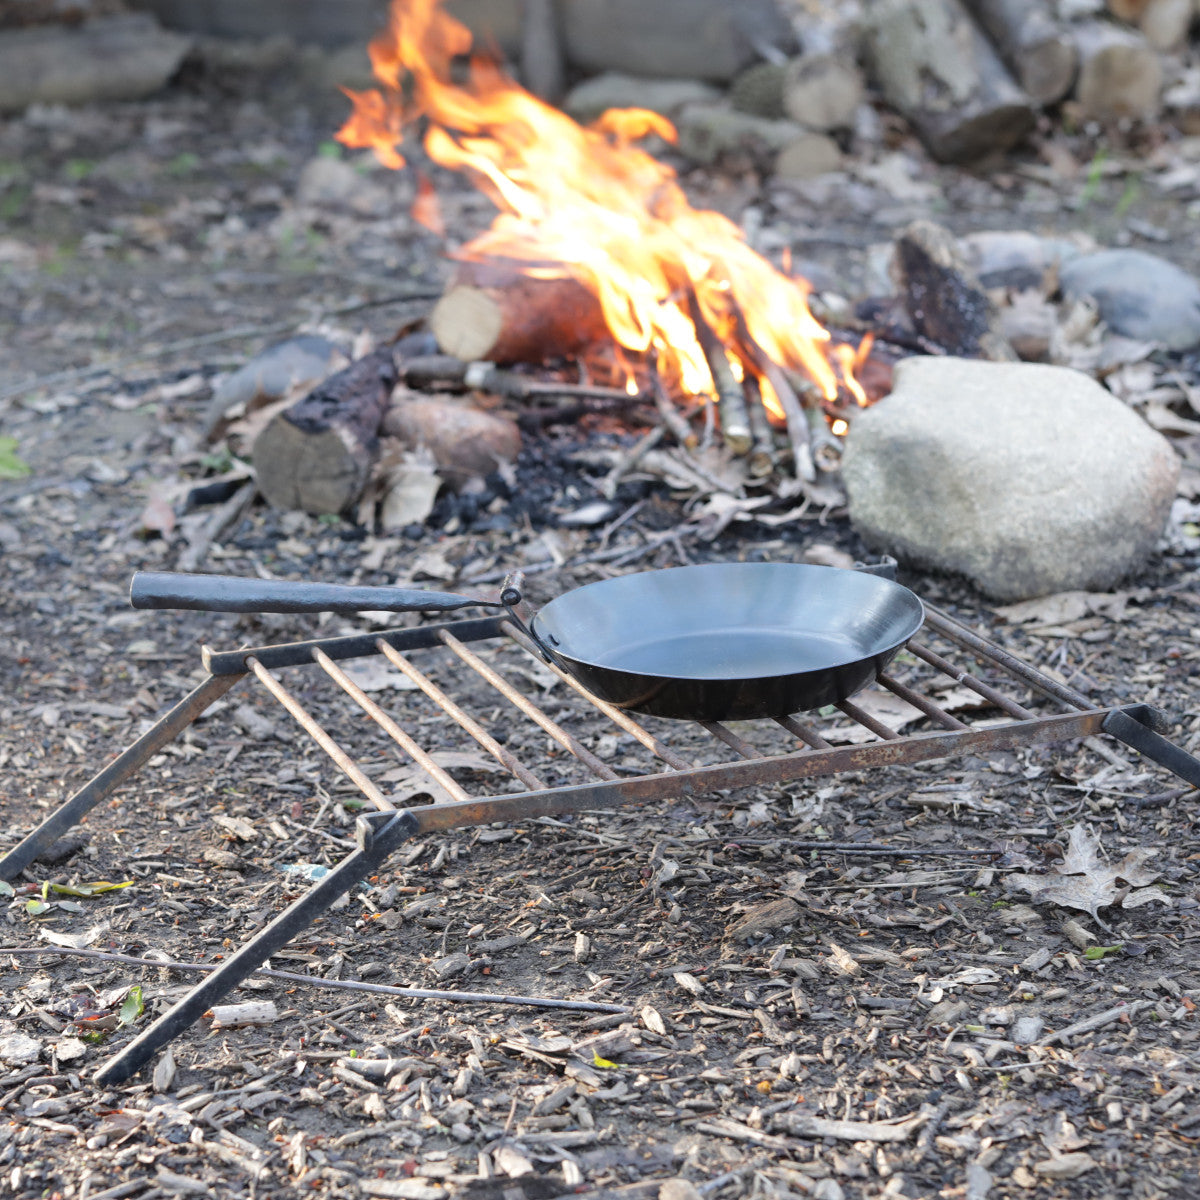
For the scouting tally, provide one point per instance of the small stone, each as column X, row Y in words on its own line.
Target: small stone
column 677, row 1189
column 822, row 92
column 587, row 100
column 1026, row 479
column 1139, row 295
column 828, row 1189
column 1000, row 1015
column 19, row 1049
column 809, row 155
column 979, row 1182
column 706, row 131
column 70, row 1049
column 1027, row 1030
column 337, row 184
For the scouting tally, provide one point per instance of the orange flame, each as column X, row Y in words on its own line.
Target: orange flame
column 585, row 202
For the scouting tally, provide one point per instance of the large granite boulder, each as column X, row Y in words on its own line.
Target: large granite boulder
column 1027, row 479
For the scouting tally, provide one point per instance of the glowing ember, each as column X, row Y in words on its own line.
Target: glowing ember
column 587, row 202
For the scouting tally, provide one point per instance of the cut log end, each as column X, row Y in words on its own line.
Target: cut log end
column 491, row 312
column 317, row 473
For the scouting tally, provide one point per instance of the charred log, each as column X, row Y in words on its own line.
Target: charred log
column 944, row 301
column 317, row 454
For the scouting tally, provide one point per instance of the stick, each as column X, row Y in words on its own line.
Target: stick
column 351, row 985
column 731, row 402
column 672, row 417
column 74, row 374
column 762, row 456
column 608, row 487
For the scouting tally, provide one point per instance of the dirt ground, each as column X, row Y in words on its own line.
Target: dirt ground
column 807, row 1021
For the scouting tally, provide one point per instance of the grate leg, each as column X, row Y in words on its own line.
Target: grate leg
column 377, row 839
column 102, row 784
column 1126, row 726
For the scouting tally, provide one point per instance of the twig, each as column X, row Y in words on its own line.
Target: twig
column 615, row 554
column 608, row 486
column 793, row 410
column 223, row 517
column 1159, row 798
column 672, row 417
column 1091, row 1024
column 74, row 374
column 762, row 456
column 731, row 402
column 351, row 985
column 936, row 1117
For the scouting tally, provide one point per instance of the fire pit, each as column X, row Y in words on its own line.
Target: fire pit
column 1032, row 708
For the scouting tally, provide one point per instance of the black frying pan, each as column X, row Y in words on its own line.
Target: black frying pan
column 724, row 641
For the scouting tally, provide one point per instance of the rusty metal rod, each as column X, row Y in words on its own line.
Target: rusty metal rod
column 597, row 766
column 805, row 732
column 438, row 774
column 864, row 718
column 309, row 724
column 927, row 706
column 778, row 769
column 105, row 782
column 948, row 627
column 724, row 734
column 967, row 680
column 617, row 715
column 464, row 719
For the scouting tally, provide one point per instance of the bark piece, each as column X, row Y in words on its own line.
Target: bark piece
column 466, row 442
column 943, row 298
column 317, row 454
column 1119, row 75
column 936, row 67
column 490, row 312
column 121, row 57
column 1038, row 50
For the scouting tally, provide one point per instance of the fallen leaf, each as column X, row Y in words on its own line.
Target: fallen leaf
column 76, row 941
column 89, row 889
column 1082, row 880
column 132, row 1007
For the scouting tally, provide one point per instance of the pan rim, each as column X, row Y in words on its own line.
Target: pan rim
column 890, row 647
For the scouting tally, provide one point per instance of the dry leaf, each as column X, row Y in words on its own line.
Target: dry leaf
column 75, row 941
column 1084, row 881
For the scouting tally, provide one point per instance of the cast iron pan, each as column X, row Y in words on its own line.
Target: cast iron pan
column 718, row 642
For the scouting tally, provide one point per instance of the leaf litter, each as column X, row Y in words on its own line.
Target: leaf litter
column 1083, row 880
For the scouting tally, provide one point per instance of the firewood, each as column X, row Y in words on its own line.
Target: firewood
column 728, row 395
column 944, row 300
column 1038, row 50
column 491, row 312
column 1119, row 75
column 253, row 1012
column 466, row 442
column 938, row 70
column 1164, row 23
column 317, row 454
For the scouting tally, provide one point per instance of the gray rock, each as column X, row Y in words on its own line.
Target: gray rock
column 1027, row 1030
column 1139, row 295
column 1027, row 479
column 587, row 100
column 1015, row 258
column 19, row 1049
column 706, row 131
column 337, row 184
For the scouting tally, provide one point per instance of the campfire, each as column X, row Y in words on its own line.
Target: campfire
column 596, row 253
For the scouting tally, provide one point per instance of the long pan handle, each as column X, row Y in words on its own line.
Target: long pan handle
column 222, row 593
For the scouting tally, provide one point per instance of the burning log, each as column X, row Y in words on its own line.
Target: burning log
column 317, row 454
column 1034, row 45
column 731, row 401
column 491, row 312
column 939, row 70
